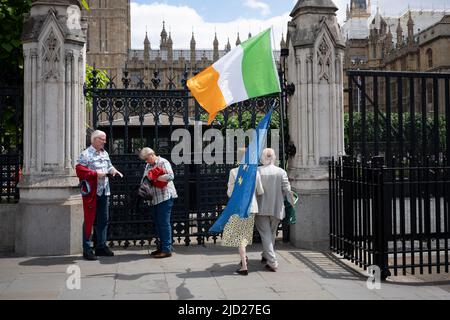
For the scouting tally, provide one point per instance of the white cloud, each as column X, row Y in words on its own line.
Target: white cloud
column 259, row 5
column 181, row 20
column 341, row 13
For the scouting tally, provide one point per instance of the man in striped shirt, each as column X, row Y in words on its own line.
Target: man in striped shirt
column 97, row 159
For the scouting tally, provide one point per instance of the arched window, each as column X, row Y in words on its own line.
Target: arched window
column 430, row 58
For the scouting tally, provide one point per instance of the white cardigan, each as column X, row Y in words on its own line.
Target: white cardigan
column 276, row 186
column 258, row 188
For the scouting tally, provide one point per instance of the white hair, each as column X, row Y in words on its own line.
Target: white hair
column 96, row 134
column 268, row 156
column 145, row 152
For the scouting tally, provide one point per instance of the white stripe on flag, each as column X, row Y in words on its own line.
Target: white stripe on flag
column 231, row 82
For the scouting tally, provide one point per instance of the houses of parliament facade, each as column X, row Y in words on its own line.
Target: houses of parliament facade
column 415, row 41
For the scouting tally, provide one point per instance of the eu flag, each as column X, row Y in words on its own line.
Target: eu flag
column 244, row 187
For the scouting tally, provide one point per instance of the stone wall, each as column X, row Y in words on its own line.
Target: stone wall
column 7, row 227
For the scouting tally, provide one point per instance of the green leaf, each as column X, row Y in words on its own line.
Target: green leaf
column 85, row 5
column 16, row 43
column 7, row 47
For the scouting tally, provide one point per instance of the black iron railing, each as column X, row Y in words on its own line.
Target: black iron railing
column 11, row 126
column 389, row 198
column 396, row 218
column 398, row 114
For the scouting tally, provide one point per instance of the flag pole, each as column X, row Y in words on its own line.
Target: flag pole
column 281, row 112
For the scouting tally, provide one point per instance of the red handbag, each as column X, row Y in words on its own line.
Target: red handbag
column 153, row 175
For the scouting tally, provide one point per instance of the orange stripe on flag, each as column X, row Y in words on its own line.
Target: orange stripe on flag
column 204, row 87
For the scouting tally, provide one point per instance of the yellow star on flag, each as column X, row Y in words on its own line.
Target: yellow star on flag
column 240, row 180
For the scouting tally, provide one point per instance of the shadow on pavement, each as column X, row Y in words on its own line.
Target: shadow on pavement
column 125, row 277
column 327, row 266
column 183, row 293
column 50, row 261
column 217, row 270
column 67, row 260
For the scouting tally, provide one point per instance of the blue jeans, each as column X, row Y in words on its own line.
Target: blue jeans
column 101, row 228
column 161, row 215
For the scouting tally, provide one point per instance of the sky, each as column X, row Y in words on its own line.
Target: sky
column 228, row 17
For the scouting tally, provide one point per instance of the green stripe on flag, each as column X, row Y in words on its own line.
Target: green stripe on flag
column 258, row 67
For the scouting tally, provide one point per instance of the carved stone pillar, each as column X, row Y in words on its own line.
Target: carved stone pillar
column 50, row 215
column 315, row 114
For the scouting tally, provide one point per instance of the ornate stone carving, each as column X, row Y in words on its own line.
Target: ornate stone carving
column 69, row 56
column 73, row 18
column 324, row 60
column 50, row 57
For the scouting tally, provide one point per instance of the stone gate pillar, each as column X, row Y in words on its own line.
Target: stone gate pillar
column 315, row 111
column 49, row 218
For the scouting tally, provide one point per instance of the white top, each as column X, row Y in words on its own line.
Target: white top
column 258, row 188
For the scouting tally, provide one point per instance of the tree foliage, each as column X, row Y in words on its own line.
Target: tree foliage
column 101, row 79
column 85, row 4
column 395, row 129
column 12, row 14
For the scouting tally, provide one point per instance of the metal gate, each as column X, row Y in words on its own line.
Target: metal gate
column 11, row 135
column 135, row 117
column 389, row 197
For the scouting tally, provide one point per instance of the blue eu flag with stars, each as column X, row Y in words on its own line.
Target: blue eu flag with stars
column 244, row 187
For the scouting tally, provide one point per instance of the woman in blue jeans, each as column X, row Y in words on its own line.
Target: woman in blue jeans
column 163, row 192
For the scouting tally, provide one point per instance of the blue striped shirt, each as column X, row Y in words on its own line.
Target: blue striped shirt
column 98, row 161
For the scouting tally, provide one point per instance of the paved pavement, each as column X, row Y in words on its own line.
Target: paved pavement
column 206, row 272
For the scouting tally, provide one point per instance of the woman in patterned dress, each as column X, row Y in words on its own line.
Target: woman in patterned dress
column 238, row 232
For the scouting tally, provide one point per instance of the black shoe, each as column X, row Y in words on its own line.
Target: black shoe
column 89, row 255
column 104, row 252
column 242, row 272
column 263, row 260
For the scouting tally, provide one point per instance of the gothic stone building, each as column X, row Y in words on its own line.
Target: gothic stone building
column 108, row 35
column 418, row 40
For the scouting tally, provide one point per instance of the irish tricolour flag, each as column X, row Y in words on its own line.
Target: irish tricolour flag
column 247, row 71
